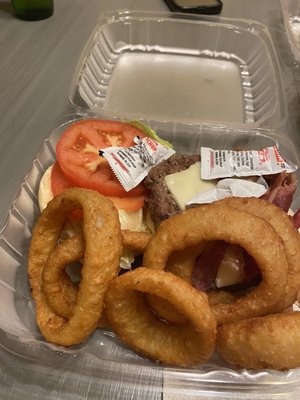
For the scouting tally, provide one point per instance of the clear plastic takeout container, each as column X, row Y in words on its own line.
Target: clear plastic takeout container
column 291, row 17
column 185, row 68
column 102, row 367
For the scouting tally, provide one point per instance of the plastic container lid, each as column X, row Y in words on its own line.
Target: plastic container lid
column 174, row 67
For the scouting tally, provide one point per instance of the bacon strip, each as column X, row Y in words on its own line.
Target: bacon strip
column 207, row 264
column 282, row 188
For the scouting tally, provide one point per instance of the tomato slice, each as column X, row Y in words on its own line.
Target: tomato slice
column 60, row 183
column 77, row 152
column 128, row 203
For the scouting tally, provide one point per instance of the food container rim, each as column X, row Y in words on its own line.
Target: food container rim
column 226, row 380
column 279, row 135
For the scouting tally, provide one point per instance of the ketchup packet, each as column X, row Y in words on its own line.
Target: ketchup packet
column 227, row 163
column 132, row 164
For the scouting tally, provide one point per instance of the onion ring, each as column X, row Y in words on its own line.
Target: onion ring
column 59, row 290
column 180, row 263
column 103, row 248
column 272, row 341
column 136, row 241
column 222, row 296
column 255, row 235
column 57, row 287
column 134, row 323
column 283, row 225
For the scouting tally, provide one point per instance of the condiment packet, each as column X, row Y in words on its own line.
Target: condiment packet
column 229, row 187
column 227, row 163
column 132, row 164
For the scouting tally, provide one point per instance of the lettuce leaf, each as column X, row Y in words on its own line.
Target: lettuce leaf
column 151, row 133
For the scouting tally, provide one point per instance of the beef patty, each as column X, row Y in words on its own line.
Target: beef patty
column 161, row 203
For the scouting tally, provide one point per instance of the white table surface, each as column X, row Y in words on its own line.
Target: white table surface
column 37, row 61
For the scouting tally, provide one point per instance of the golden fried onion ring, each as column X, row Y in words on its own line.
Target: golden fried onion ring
column 57, row 287
column 59, row 290
column 255, row 235
column 180, row 263
column 56, row 284
column 283, row 225
column 132, row 320
column 136, row 241
column 272, row 341
column 103, row 248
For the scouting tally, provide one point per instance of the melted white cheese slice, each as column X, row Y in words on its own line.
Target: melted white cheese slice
column 185, row 185
column 229, row 274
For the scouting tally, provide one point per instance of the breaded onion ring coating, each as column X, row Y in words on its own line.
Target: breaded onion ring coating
column 59, row 290
column 254, row 234
column 283, row 225
column 272, row 342
column 136, row 241
column 57, row 287
column 103, row 248
column 131, row 319
column 222, row 296
column 180, row 263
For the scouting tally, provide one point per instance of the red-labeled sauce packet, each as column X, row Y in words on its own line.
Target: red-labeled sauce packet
column 227, row 163
column 132, row 164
